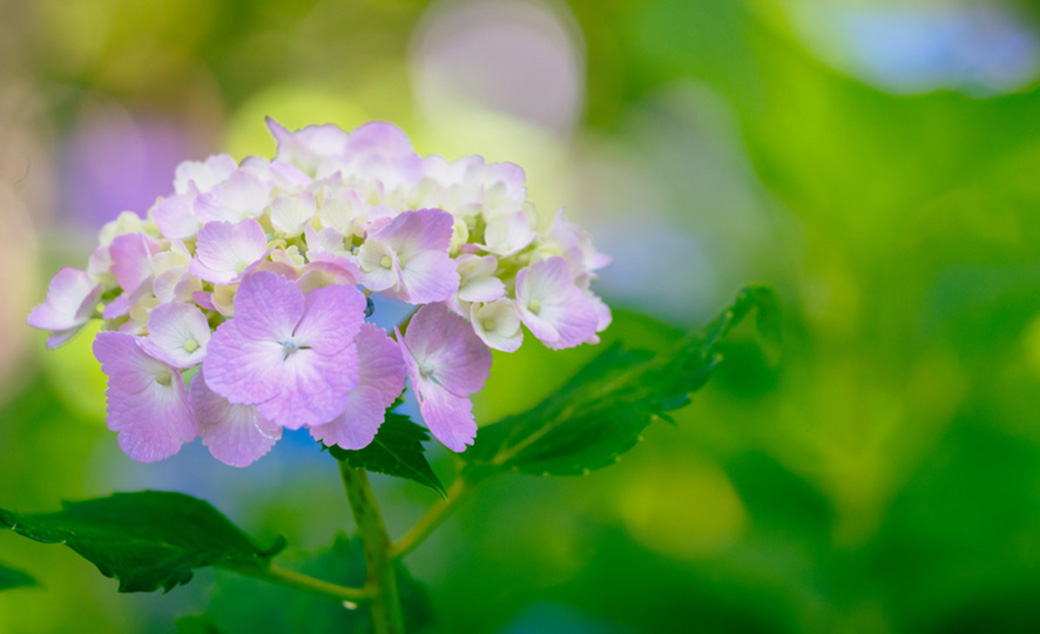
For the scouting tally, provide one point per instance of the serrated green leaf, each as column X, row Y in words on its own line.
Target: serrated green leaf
column 240, row 605
column 11, row 578
column 147, row 540
column 397, row 450
column 600, row 413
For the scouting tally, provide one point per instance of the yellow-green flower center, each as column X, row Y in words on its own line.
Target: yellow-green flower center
column 191, row 345
column 164, row 378
column 386, row 262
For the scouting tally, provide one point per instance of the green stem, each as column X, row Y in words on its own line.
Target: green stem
column 291, row 579
column 387, row 615
column 429, row 522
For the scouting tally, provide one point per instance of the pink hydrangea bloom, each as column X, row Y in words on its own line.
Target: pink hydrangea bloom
column 71, row 300
column 147, row 402
column 252, row 270
column 236, row 435
column 291, row 355
column 556, row 311
column 409, row 257
column 446, row 363
column 382, row 373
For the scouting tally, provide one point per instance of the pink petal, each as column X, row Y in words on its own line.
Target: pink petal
column 449, row 417
column 446, row 346
column 203, row 175
column 508, row 233
column 177, row 335
column 497, row 325
column 175, row 217
column 225, row 251
column 241, row 196
column 315, row 387
column 131, row 255
column 552, row 307
column 381, row 374
column 236, row 434
column 268, row 306
column 381, row 138
column 427, row 277
column 331, row 319
column 243, row 369
column 370, row 259
column 71, row 299
column 147, row 402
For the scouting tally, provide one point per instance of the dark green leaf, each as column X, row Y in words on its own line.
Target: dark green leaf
column 240, row 605
column 146, row 540
column 600, row 413
column 397, row 450
column 11, row 578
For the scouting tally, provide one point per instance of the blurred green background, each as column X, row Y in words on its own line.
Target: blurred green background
column 878, row 162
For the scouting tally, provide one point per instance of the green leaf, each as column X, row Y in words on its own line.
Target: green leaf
column 146, row 540
column 397, row 450
column 241, row 605
column 600, row 413
column 11, row 578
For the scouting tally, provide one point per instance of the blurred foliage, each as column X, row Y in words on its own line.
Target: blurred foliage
column 882, row 478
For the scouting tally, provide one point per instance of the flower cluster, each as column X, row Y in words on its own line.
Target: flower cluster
column 258, row 274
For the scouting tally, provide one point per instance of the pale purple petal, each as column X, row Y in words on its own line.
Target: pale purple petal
column 331, row 319
column 379, row 265
column 477, row 278
column 552, row 307
column 243, row 369
column 147, row 402
column 382, row 374
column 203, row 175
column 236, row 435
column 241, row 196
column 315, row 387
column 290, row 213
column 421, row 240
column 445, row 346
column 449, row 417
column 268, row 306
column 508, row 233
column 127, row 300
column 225, row 251
column 177, row 335
column 292, row 357
column 497, row 325
column 329, row 272
column 419, row 231
column 131, row 255
column 175, row 217
column 378, row 138
column 71, row 299
column 427, row 277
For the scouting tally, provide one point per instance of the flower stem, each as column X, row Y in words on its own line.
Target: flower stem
column 430, row 521
column 291, row 579
column 385, row 600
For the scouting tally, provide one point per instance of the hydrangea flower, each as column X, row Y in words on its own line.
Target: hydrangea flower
column 256, row 274
column 446, row 363
column 290, row 355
